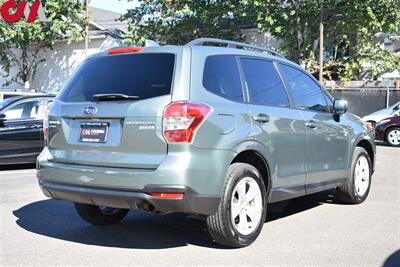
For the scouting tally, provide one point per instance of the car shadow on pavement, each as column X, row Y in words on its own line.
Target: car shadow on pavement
column 393, row 260
column 290, row 207
column 58, row 219
column 139, row 230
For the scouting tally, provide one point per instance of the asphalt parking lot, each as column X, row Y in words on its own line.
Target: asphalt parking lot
column 308, row 231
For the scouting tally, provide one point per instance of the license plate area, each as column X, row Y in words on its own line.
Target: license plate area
column 94, row 132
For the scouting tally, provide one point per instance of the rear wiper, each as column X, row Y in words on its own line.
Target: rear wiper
column 113, row 97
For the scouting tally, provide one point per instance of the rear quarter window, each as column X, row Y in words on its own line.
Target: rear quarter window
column 221, row 77
column 141, row 75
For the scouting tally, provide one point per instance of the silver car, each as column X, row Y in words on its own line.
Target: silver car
column 385, row 113
column 214, row 128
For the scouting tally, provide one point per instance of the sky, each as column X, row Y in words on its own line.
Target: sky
column 119, row 6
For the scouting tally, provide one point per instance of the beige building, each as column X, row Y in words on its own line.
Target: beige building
column 61, row 62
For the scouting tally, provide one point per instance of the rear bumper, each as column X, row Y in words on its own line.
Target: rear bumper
column 190, row 203
column 199, row 175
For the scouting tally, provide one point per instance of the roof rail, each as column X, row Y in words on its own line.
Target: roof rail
column 232, row 44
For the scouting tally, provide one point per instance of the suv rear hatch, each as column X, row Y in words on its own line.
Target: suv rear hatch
column 110, row 112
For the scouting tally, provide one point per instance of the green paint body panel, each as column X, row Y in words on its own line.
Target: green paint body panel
column 136, row 154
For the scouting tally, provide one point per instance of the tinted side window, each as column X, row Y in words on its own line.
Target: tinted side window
column 27, row 110
column 15, row 113
column 305, row 92
column 221, row 77
column 264, row 84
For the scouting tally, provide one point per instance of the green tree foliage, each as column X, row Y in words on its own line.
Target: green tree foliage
column 177, row 22
column 370, row 62
column 21, row 43
column 353, row 33
column 295, row 23
column 353, row 29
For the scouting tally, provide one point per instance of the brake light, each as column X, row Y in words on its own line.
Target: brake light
column 181, row 120
column 167, row 195
column 124, row 50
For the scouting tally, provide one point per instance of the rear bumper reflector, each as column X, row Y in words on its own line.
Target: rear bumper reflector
column 167, row 195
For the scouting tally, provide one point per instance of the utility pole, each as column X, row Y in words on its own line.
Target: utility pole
column 87, row 29
column 321, row 42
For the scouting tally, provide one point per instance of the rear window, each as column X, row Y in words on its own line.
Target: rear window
column 221, row 77
column 141, row 75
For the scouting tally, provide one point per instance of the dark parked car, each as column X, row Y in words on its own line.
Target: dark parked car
column 388, row 130
column 21, row 128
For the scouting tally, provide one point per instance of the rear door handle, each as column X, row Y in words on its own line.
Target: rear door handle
column 34, row 126
column 311, row 124
column 262, row 118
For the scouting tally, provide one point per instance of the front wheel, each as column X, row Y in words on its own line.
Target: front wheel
column 99, row 215
column 393, row 136
column 357, row 187
column 242, row 210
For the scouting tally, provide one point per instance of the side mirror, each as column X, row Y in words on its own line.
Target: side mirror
column 340, row 106
column 2, row 119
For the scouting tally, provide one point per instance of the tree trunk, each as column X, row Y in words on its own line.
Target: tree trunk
column 25, row 65
column 299, row 43
column 353, row 43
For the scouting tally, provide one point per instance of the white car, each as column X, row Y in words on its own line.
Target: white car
column 379, row 115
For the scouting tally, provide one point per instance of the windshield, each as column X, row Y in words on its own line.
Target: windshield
column 140, row 75
column 398, row 103
column 6, row 102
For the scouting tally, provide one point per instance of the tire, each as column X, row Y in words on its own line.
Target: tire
column 100, row 215
column 242, row 230
column 356, row 189
column 391, row 136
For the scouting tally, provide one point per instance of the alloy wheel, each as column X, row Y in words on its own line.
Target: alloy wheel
column 394, row 137
column 246, row 206
column 362, row 176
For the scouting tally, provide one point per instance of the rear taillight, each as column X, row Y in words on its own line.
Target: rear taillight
column 46, row 127
column 181, row 120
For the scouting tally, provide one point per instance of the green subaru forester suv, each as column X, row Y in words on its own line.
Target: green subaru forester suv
column 214, row 128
